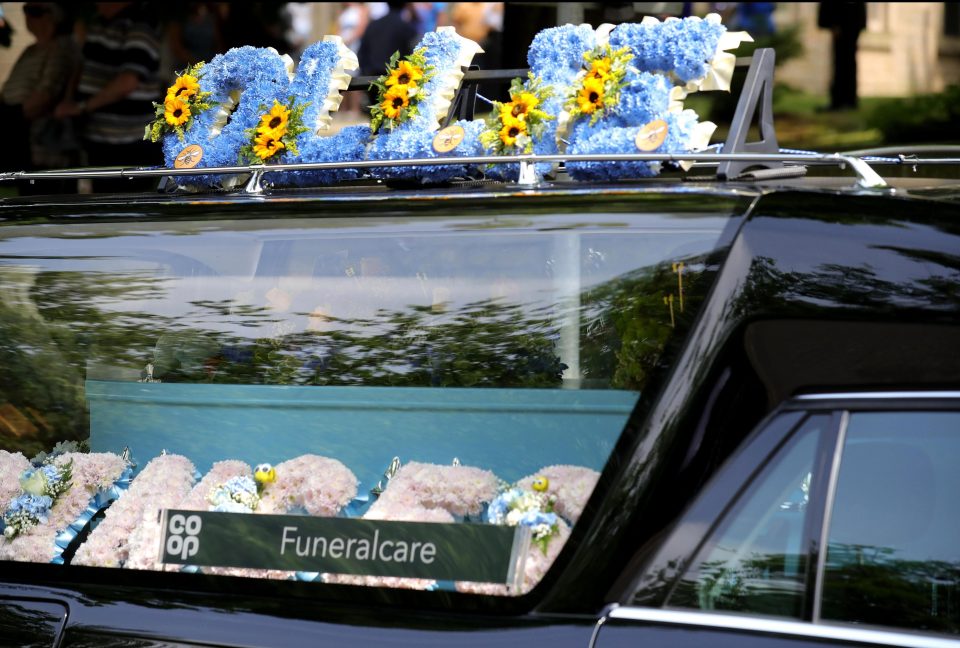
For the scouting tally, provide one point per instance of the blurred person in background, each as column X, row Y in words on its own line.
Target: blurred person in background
column 298, row 19
column 351, row 23
column 394, row 32
column 116, row 85
column 429, row 15
column 194, row 34
column 37, row 82
column 845, row 20
column 482, row 22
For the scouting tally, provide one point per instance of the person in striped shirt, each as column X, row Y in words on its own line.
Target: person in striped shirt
column 117, row 83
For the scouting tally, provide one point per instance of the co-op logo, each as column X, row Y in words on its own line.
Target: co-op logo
column 182, row 540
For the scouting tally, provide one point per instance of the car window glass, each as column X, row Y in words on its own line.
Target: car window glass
column 756, row 560
column 893, row 556
column 442, row 369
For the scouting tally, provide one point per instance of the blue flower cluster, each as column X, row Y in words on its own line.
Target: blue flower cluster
column 349, row 145
column 410, row 140
column 25, row 511
column 261, row 76
column 622, row 139
column 683, row 48
column 236, row 495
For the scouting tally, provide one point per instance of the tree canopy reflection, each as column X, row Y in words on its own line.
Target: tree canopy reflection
column 55, row 325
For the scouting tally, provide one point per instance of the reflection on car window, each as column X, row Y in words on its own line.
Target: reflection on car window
column 282, row 366
column 756, row 560
column 893, row 556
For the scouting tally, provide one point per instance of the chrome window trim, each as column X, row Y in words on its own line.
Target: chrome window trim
column 828, row 514
column 896, row 395
column 784, row 627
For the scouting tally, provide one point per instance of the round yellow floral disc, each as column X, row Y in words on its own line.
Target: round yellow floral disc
column 651, row 135
column 448, row 139
column 188, row 157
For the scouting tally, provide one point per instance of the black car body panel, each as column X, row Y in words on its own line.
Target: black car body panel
column 811, row 291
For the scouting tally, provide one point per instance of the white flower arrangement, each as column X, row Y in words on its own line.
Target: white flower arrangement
column 162, row 484
column 90, row 474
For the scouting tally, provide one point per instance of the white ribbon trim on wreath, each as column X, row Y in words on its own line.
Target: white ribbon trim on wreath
column 339, row 81
column 700, row 139
column 720, row 67
column 448, row 84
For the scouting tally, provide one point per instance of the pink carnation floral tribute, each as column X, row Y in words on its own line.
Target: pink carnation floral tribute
column 421, row 492
column 162, row 483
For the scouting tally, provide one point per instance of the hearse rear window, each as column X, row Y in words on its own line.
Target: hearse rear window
column 403, row 402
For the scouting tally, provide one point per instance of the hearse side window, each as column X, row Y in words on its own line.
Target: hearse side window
column 893, row 554
column 756, row 561
column 472, row 371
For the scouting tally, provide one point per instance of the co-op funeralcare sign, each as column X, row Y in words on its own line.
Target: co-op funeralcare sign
column 469, row 552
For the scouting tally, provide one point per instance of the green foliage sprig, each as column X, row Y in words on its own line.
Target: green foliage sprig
column 196, row 103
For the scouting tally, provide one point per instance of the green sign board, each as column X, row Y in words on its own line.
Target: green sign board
column 467, row 552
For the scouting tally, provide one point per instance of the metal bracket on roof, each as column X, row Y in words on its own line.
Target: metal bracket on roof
column 254, row 184
column 757, row 94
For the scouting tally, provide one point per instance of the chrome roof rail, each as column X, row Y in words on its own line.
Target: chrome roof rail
column 867, row 178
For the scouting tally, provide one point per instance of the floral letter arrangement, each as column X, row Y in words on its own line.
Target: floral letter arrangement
column 249, row 107
column 606, row 90
column 162, row 484
column 53, row 500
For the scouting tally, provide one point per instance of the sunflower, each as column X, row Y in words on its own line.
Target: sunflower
column 185, row 87
column 524, row 103
column 590, row 97
column 510, row 131
column 405, row 74
column 600, row 69
column 507, row 114
column 176, row 111
column 274, row 122
column 395, row 100
column 266, row 145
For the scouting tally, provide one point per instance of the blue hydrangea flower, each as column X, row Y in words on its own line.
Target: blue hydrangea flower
column 536, row 518
column 409, row 140
column 682, row 48
column 680, row 131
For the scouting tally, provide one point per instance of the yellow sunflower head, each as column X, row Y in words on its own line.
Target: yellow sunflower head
column 510, row 132
column 524, row 103
column 266, row 145
column 508, row 113
column 275, row 121
column 175, row 111
column 590, row 97
column 185, row 87
column 405, row 74
column 395, row 100
column 600, row 69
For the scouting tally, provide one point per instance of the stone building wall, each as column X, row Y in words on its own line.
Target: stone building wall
column 902, row 52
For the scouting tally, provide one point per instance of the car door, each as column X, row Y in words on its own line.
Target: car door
column 845, row 532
